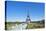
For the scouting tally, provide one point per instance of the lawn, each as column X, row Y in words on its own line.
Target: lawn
column 34, row 26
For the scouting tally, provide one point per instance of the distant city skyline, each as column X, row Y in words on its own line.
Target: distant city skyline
column 17, row 11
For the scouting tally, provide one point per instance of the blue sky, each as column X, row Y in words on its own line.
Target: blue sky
column 17, row 11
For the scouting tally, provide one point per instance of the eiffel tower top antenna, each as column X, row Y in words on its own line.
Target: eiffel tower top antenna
column 28, row 13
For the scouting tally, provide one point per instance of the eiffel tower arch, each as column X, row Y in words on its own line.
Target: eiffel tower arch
column 28, row 20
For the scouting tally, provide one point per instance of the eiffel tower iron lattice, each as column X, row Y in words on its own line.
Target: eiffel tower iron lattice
column 28, row 20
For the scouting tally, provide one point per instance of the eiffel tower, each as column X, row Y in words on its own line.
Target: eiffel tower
column 28, row 20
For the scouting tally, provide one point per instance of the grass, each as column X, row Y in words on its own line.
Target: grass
column 34, row 26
